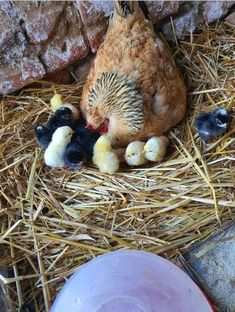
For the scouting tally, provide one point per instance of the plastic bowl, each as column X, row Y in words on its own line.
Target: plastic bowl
column 130, row 281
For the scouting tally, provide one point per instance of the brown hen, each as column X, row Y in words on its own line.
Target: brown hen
column 134, row 88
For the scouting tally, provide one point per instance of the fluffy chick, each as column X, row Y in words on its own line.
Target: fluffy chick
column 62, row 117
column 56, row 103
column 103, row 144
column 74, row 155
column 107, row 162
column 155, row 148
column 43, row 135
column 213, row 124
column 104, row 156
column 134, row 154
column 54, row 154
column 85, row 137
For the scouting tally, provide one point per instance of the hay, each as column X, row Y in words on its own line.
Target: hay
column 52, row 221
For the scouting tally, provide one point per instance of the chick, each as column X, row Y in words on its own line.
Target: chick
column 62, row 117
column 56, row 103
column 85, row 137
column 134, row 154
column 103, row 144
column 155, row 148
column 104, row 156
column 107, row 162
column 54, row 154
column 43, row 135
column 213, row 124
column 74, row 155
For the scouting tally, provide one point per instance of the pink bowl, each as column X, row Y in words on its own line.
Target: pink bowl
column 130, row 281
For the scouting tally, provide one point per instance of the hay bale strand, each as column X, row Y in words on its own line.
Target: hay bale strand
column 54, row 220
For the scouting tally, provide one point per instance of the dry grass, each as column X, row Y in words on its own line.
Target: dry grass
column 52, row 221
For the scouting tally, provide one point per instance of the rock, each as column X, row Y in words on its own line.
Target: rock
column 62, row 76
column 230, row 20
column 212, row 262
column 82, row 69
column 161, row 9
column 193, row 13
column 40, row 18
column 95, row 35
column 19, row 64
column 93, row 11
column 214, row 10
column 68, row 44
column 38, row 38
column 95, row 16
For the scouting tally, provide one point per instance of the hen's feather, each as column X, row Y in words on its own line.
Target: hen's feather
column 110, row 88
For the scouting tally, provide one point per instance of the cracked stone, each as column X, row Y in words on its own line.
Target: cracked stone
column 38, row 38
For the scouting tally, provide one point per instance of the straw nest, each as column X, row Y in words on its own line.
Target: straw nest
column 52, row 221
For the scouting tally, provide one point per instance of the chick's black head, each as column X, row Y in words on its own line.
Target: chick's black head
column 64, row 114
column 74, row 155
column 43, row 135
column 87, row 139
column 223, row 117
column 62, row 117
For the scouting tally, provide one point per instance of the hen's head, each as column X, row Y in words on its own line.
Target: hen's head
column 96, row 121
column 114, row 101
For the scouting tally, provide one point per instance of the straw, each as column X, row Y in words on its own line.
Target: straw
column 54, row 220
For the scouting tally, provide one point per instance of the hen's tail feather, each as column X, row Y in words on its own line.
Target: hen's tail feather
column 125, row 8
column 144, row 9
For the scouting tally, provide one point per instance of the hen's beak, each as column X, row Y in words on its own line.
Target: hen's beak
column 89, row 127
column 103, row 128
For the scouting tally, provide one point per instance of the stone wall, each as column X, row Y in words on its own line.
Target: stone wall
column 42, row 38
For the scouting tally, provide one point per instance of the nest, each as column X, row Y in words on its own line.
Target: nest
column 54, row 220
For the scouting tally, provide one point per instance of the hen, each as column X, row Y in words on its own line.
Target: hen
column 134, row 90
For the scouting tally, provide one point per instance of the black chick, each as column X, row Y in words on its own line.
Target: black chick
column 74, row 155
column 213, row 124
column 87, row 139
column 43, row 135
column 79, row 124
column 62, row 117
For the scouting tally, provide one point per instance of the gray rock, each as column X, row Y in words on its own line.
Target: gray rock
column 193, row 13
column 44, row 37
column 214, row 262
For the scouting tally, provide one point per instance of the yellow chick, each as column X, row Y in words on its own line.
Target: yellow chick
column 134, row 154
column 104, row 156
column 103, row 144
column 107, row 162
column 56, row 102
column 54, row 154
column 155, row 148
